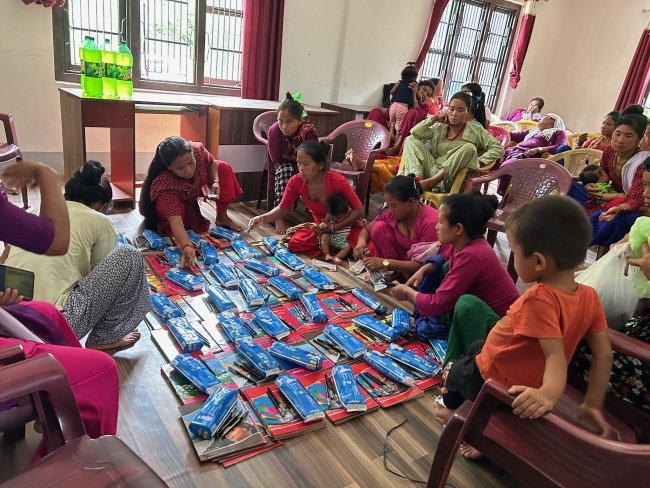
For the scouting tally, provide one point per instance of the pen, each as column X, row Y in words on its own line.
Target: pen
column 352, row 306
column 151, row 287
column 249, row 328
column 365, row 336
column 234, row 422
column 327, row 390
column 381, row 382
column 281, row 410
column 362, row 338
column 367, row 386
column 202, row 337
column 245, row 366
column 245, row 376
column 369, row 378
column 335, row 396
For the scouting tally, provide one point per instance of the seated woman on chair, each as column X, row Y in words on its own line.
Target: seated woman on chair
column 314, row 183
column 464, row 302
column 99, row 286
column 177, row 176
column 403, row 222
column 92, row 374
column 453, row 145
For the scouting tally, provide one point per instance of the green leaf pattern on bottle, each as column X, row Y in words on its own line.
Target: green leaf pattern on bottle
column 82, row 65
column 123, row 73
column 94, row 70
column 110, row 70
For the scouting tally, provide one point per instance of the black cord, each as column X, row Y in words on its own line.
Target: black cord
column 390, row 431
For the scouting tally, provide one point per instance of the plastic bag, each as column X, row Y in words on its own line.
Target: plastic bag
column 615, row 290
column 639, row 234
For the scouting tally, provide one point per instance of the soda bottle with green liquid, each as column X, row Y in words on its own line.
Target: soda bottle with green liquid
column 110, row 71
column 82, row 64
column 94, row 69
column 124, row 64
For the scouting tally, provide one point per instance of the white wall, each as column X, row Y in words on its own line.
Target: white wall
column 578, row 57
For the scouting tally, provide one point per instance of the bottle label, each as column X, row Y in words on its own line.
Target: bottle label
column 94, row 70
column 110, row 70
column 123, row 73
column 82, row 65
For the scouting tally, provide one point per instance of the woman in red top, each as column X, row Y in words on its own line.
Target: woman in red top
column 314, row 183
column 285, row 136
column 177, row 176
column 622, row 162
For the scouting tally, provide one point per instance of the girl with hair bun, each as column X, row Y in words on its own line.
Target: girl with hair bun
column 481, row 114
column 99, row 285
column 403, row 222
column 285, row 136
column 463, row 291
column 314, row 183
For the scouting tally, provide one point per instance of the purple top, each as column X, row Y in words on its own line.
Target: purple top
column 22, row 229
column 475, row 270
column 538, row 140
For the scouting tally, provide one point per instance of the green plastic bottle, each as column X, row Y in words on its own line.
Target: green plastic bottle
column 108, row 80
column 123, row 79
column 94, row 68
column 82, row 64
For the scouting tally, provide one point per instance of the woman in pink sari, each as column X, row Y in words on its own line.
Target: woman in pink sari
column 92, row 374
column 403, row 222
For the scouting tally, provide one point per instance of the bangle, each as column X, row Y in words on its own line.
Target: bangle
column 215, row 181
column 332, row 226
column 188, row 244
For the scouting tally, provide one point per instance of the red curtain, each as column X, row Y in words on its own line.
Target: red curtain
column 636, row 81
column 46, row 3
column 521, row 47
column 434, row 20
column 262, row 49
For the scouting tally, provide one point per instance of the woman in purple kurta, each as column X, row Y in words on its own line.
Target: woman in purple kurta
column 547, row 137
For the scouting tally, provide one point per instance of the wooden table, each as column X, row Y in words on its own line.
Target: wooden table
column 230, row 135
column 79, row 112
column 348, row 112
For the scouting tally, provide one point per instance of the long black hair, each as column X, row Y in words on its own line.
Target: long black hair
column 478, row 97
column 166, row 152
column 88, row 185
column 633, row 117
column 403, row 188
column 471, row 210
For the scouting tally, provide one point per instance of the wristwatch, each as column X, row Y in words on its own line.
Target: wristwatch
column 385, row 263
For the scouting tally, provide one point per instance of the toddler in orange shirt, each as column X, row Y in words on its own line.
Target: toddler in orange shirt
column 529, row 349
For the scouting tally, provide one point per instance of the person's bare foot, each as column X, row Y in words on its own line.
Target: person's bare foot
column 469, row 452
column 224, row 221
column 281, row 227
column 442, row 413
column 392, row 151
column 125, row 342
column 336, row 260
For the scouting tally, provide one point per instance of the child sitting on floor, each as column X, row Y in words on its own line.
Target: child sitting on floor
column 595, row 180
column 529, row 349
column 337, row 209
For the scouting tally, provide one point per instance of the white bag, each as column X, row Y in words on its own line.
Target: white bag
column 615, row 290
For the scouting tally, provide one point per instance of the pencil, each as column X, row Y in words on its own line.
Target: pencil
column 327, row 390
column 367, row 386
column 382, row 383
column 368, row 377
column 245, row 376
column 276, row 403
column 238, row 418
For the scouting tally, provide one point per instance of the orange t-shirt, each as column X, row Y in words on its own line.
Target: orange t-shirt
column 512, row 353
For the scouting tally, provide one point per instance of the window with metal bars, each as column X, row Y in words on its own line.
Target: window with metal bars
column 472, row 43
column 191, row 45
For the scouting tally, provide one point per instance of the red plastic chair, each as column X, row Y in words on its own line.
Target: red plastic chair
column 10, row 149
column 261, row 126
column 531, row 178
column 500, row 134
column 366, row 138
column 74, row 459
column 550, row 451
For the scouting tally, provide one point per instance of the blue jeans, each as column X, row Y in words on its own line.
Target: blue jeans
column 608, row 233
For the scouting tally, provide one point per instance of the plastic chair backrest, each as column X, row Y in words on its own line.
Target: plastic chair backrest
column 262, row 123
column 573, row 137
column 506, row 124
column 10, row 129
column 362, row 136
column 500, row 134
column 526, row 124
column 576, row 159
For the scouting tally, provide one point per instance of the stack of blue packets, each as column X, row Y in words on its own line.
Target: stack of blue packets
column 388, row 367
column 185, row 334
column 209, row 252
column 221, row 299
column 224, row 274
column 153, row 239
column 288, row 259
column 270, row 243
column 164, row 307
column 272, row 325
column 347, row 389
column 291, row 291
column 174, row 255
column 213, row 415
column 439, row 349
column 260, row 267
column 318, row 279
column 377, row 328
column 401, row 320
column 223, row 233
column 252, row 292
column 261, row 362
column 312, row 305
column 196, row 373
column 184, row 279
column 352, row 346
column 232, row 326
column 296, row 356
column 409, row 359
column 369, row 301
column 299, row 398
column 196, row 239
column 242, row 248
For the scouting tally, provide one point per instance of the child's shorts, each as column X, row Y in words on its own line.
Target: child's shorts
column 463, row 380
column 396, row 113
